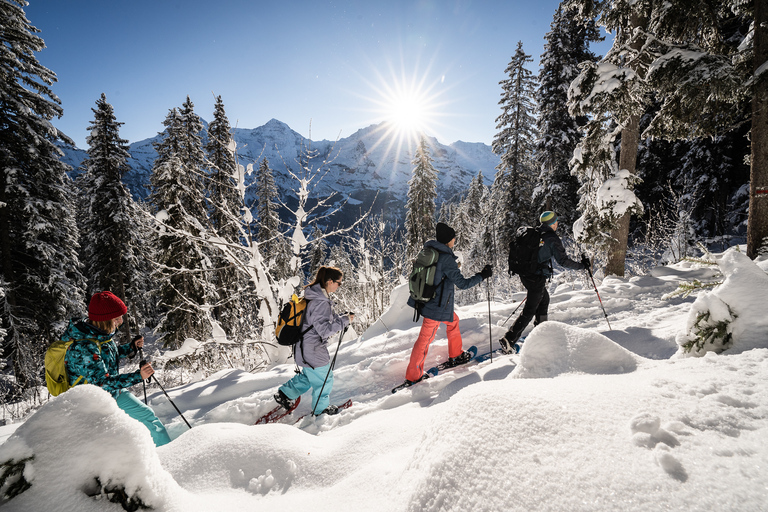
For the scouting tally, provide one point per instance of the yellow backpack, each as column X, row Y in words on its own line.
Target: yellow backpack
column 290, row 323
column 56, row 379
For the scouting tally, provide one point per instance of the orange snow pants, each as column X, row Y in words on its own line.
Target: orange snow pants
column 426, row 336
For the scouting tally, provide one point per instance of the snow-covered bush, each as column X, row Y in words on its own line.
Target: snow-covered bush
column 104, row 453
column 732, row 316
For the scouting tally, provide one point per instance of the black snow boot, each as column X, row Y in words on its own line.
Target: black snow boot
column 284, row 401
column 330, row 410
column 462, row 358
column 507, row 343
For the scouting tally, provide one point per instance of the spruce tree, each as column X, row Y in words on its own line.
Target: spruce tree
column 272, row 243
column 422, row 194
column 183, row 265
column 567, row 46
column 514, row 143
column 612, row 92
column 226, row 199
column 114, row 230
column 38, row 236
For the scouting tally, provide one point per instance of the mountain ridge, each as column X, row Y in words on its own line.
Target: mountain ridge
column 374, row 160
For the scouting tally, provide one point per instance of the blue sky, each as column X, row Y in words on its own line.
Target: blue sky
column 336, row 66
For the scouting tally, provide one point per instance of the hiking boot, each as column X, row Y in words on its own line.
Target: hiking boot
column 331, row 410
column 423, row 377
column 462, row 358
column 285, row 402
column 508, row 346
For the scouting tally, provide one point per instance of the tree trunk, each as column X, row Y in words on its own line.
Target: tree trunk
column 757, row 224
column 617, row 252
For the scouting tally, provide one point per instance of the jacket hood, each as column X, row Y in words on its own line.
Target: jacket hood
column 79, row 329
column 440, row 247
column 315, row 292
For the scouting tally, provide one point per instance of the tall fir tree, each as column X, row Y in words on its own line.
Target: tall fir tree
column 113, row 230
column 39, row 265
column 567, row 45
column 611, row 92
column 178, row 197
column 271, row 240
column 422, row 194
column 514, row 143
column 226, row 206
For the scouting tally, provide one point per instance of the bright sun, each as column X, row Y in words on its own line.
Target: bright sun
column 408, row 113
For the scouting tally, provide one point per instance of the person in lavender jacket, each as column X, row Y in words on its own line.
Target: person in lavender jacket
column 312, row 353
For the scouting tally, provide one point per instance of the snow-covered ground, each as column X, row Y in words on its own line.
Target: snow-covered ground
column 584, row 418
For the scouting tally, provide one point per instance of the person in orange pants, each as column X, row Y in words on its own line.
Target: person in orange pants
column 440, row 308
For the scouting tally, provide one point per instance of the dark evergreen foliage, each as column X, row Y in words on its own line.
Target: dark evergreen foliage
column 115, row 237
column 184, row 267
column 512, row 191
column 567, row 46
column 38, row 236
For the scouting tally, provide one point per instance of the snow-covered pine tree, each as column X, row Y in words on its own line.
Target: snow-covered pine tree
column 475, row 207
column 226, row 201
column 40, row 269
column 114, row 246
column 271, row 241
column 183, row 265
column 422, row 194
column 514, row 143
column 567, row 45
column 613, row 94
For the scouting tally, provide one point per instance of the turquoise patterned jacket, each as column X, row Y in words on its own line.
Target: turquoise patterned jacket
column 95, row 357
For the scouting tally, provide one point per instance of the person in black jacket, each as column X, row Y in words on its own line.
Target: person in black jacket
column 537, row 300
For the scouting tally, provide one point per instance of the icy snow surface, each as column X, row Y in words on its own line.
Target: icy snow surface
column 582, row 419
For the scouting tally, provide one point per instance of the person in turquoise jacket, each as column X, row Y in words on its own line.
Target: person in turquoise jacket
column 94, row 358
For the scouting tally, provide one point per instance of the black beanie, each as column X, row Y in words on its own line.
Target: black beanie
column 444, row 232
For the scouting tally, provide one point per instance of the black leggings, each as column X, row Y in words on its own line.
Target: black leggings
column 536, row 304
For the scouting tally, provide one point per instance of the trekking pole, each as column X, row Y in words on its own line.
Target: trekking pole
column 142, row 363
column 490, row 332
column 589, row 271
column 515, row 311
column 141, row 356
column 333, row 363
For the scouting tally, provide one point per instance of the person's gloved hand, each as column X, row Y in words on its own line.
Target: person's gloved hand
column 585, row 261
column 486, row 272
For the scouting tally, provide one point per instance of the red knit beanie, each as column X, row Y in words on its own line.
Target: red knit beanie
column 105, row 306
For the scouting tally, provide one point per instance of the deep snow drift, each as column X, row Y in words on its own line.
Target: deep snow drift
column 582, row 419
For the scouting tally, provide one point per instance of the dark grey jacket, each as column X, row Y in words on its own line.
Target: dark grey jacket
column 552, row 247
column 440, row 308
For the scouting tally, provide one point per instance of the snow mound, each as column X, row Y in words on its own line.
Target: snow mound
column 554, row 348
column 733, row 314
column 84, row 434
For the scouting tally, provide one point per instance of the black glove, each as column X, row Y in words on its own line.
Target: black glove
column 585, row 261
column 486, row 272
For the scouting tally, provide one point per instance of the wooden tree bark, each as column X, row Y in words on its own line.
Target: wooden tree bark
column 617, row 252
column 757, row 223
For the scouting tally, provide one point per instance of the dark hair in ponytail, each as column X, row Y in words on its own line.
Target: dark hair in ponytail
column 325, row 274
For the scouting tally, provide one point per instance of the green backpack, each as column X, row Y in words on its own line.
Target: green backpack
column 56, row 379
column 421, row 282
